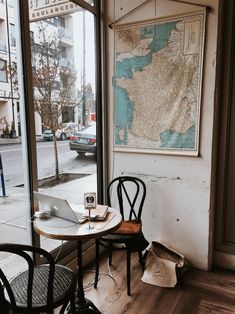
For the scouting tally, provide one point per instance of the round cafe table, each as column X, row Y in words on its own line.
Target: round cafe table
column 61, row 229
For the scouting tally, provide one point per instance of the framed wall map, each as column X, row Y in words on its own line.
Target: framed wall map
column 157, row 85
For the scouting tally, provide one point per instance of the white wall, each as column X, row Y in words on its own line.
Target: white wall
column 177, row 208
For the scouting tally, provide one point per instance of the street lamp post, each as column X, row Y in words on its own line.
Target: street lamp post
column 9, row 57
column 84, row 70
column 2, row 179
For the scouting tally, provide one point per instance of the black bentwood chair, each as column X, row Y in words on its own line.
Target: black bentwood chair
column 129, row 193
column 39, row 289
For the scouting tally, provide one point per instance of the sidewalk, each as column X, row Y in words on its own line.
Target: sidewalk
column 17, row 140
column 5, row 141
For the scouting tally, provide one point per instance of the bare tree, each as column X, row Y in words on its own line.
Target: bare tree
column 53, row 81
column 14, row 92
column 12, row 74
column 86, row 101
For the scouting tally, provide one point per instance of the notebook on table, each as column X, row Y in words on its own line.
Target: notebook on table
column 99, row 213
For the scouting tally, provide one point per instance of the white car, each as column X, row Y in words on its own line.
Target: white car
column 67, row 131
column 63, row 133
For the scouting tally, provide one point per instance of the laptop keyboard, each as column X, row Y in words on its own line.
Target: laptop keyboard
column 80, row 217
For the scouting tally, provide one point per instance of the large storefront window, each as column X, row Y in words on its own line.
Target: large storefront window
column 51, row 154
column 63, row 76
column 15, row 217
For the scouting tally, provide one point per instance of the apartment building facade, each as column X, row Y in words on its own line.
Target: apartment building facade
column 9, row 96
column 52, row 50
column 58, row 29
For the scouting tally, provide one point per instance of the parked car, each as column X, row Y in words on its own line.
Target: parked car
column 47, row 135
column 84, row 141
column 63, row 133
column 67, row 130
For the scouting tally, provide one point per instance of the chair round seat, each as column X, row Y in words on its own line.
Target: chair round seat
column 64, row 281
column 116, row 237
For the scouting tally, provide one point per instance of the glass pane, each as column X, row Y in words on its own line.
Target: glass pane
column 63, row 71
column 14, row 200
column 91, row 2
column 3, row 70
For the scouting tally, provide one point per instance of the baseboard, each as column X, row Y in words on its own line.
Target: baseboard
column 224, row 260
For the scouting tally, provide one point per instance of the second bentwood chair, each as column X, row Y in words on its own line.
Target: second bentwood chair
column 129, row 193
column 39, row 289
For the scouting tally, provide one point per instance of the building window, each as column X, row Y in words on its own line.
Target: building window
column 31, row 34
column 11, row 3
column 56, row 85
column 3, row 70
column 67, row 114
column 63, row 52
column 64, row 82
column 53, row 20
column 57, row 21
column 12, row 35
column 61, row 21
column 14, row 73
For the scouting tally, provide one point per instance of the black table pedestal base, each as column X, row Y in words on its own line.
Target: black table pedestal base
column 87, row 307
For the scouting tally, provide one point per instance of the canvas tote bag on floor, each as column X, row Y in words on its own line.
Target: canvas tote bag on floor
column 164, row 266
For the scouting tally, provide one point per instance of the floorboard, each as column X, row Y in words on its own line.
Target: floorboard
column 201, row 292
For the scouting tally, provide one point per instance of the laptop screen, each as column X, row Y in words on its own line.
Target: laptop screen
column 56, row 206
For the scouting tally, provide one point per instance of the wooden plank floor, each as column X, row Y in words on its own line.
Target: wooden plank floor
column 201, row 292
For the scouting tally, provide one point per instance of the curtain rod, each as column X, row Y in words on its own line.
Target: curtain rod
column 197, row 4
column 146, row 2
column 129, row 13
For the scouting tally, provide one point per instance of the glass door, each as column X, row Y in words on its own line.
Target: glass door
column 63, row 62
column 15, row 217
column 48, row 111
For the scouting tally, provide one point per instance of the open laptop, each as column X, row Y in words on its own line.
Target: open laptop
column 61, row 208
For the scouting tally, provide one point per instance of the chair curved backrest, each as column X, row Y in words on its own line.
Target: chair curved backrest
column 25, row 251
column 130, row 193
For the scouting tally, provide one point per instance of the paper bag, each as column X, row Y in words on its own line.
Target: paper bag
column 163, row 266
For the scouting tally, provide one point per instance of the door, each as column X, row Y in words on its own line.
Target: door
column 64, row 100
column 225, row 196
column 29, row 160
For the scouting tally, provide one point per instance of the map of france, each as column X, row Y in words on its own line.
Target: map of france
column 157, row 84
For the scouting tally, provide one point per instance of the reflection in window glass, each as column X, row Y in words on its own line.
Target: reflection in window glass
column 14, row 195
column 3, row 70
column 12, row 35
column 63, row 73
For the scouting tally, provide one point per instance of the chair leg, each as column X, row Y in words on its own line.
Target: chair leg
column 63, row 308
column 72, row 305
column 128, row 268
column 141, row 260
column 110, row 250
column 97, row 262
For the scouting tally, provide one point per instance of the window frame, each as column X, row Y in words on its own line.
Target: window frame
column 100, row 108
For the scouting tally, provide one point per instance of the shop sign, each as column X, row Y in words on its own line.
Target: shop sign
column 44, row 9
